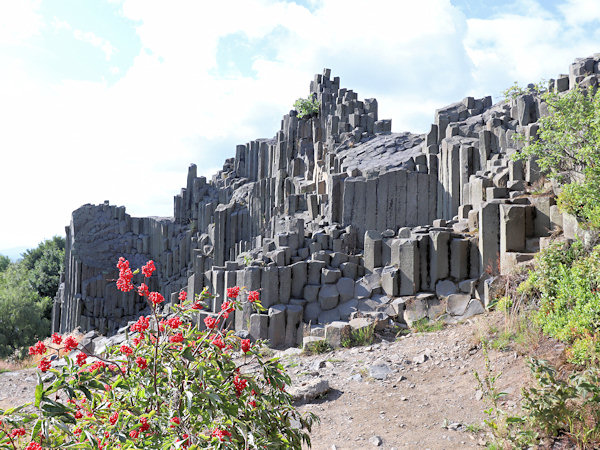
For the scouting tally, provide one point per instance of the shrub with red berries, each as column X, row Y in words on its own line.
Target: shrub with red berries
column 169, row 385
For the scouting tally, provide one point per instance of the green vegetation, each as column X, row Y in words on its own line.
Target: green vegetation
column 4, row 262
column 572, row 405
column 560, row 297
column 317, row 347
column 307, row 107
column 359, row 337
column 508, row 430
column 553, row 406
column 44, row 264
column 514, row 91
column 22, row 311
column 425, row 325
column 169, row 385
column 26, row 291
column 566, row 285
column 567, row 148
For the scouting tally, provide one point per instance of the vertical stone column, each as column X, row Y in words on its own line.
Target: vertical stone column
column 373, row 249
column 409, row 267
column 269, row 286
column 250, row 278
column 412, row 188
column 382, row 202
column 438, row 257
column 512, row 232
column 459, row 259
column 489, row 237
column 371, row 204
column 423, row 198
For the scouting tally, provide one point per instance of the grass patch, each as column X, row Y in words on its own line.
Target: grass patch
column 317, row 348
column 474, row 428
column 359, row 337
column 424, row 325
column 266, row 352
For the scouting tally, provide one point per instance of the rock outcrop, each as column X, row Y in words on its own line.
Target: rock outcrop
column 335, row 218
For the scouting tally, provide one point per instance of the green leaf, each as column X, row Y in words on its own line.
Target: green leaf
column 56, row 409
column 39, row 391
column 36, row 429
column 16, row 409
column 190, row 399
column 86, row 392
column 62, row 426
column 187, row 354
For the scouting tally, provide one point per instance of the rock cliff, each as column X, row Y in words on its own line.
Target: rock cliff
column 333, row 219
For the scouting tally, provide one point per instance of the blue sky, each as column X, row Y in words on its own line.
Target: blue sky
column 113, row 99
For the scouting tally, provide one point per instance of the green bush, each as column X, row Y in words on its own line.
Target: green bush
column 307, row 107
column 425, row 325
column 567, row 282
column 169, row 385
column 570, row 406
column 4, row 262
column 26, row 291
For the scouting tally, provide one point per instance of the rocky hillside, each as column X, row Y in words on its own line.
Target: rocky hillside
column 336, row 220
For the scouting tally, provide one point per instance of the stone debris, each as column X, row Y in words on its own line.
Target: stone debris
column 375, row 441
column 379, row 371
column 309, row 390
column 336, row 218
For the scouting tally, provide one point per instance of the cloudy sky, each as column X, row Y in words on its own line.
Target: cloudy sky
column 113, row 99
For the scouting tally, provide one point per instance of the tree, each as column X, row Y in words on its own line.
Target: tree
column 567, row 148
column 4, row 262
column 45, row 263
column 22, row 311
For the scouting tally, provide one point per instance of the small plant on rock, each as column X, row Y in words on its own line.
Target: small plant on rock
column 307, row 107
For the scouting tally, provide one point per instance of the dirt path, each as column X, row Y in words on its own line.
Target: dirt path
column 428, row 400
column 17, row 387
column 417, row 391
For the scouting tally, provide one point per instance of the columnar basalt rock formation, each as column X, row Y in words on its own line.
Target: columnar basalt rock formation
column 335, row 219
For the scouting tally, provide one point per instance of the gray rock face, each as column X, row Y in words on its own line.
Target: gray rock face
column 277, row 325
column 308, row 220
column 328, row 296
column 445, row 288
column 345, row 288
column 329, row 276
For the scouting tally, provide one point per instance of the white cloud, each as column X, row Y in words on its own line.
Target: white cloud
column 96, row 41
column 19, row 21
column 579, row 12
column 131, row 142
column 525, row 47
column 86, row 36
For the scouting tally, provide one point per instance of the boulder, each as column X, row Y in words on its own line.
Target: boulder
column 444, row 288
column 457, row 304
